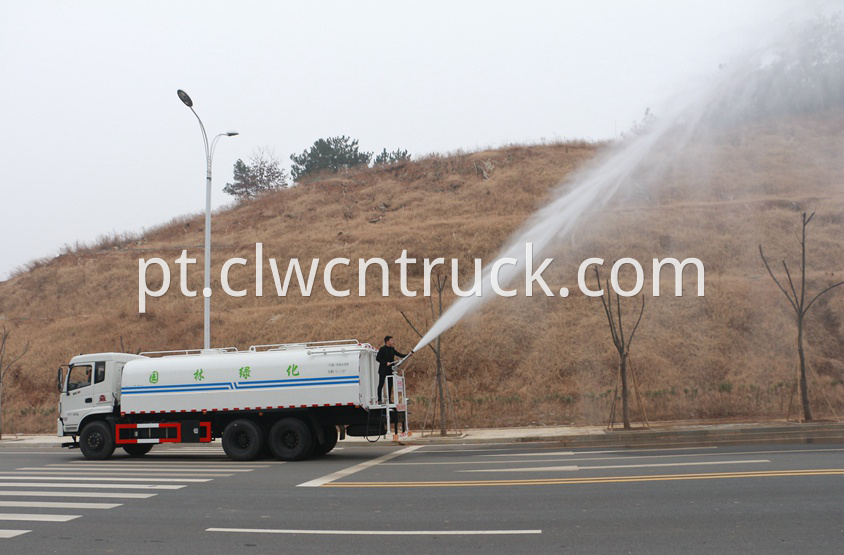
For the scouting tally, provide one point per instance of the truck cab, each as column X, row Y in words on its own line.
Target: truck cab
column 90, row 386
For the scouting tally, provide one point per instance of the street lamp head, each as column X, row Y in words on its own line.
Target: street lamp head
column 232, row 133
column 183, row 96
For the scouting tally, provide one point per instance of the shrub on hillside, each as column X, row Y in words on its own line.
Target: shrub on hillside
column 333, row 154
column 390, row 158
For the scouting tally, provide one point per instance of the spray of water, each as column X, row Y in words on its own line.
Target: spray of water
column 554, row 222
column 715, row 99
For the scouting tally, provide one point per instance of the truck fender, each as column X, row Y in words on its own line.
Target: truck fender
column 107, row 417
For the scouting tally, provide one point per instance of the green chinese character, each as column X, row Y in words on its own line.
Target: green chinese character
column 153, row 378
column 292, row 370
column 245, row 372
column 198, row 375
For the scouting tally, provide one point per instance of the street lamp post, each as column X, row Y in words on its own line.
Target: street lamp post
column 209, row 155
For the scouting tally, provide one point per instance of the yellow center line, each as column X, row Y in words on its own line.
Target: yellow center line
column 592, row 480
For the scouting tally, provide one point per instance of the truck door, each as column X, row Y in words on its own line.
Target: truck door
column 103, row 392
column 79, row 394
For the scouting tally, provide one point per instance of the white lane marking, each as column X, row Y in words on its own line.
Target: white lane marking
column 77, row 485
column 579, row 459
column 30, row 517
column 527, row 445
column 10, row 476
column 86, row 494
column 378, row 532
column 510, row 444
column 57, row 505
column 604, row 452
column 357, row 468
column 613, row 466
column 455, row 463
column 534, row 454
column 74, row 474
column 536, row 469
column 476, row 450
column 724, row 454
column 13, row 533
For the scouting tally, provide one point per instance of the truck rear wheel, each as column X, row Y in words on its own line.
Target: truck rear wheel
column 290, row 439
column 330, row 435
column 96, row 441
column 137, row 449
column 243, row 440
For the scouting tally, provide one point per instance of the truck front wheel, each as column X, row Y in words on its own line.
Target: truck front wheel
column 290, row 439
column 97, row 441
column 243, row 440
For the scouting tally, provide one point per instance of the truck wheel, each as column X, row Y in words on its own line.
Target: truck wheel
column 243, row 440
column 137, row 449
column 290, row 439
column 330, row 434
column 97, row 441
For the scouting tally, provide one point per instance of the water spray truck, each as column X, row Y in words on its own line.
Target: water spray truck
column 292, row 401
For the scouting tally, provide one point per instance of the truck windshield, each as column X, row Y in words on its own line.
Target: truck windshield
column 79, row 376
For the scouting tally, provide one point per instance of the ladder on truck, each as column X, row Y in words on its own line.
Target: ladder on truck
column 396, row 401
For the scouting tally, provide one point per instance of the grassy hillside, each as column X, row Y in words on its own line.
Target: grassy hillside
column 520, row 360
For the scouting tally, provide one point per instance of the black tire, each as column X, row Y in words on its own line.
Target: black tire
column 243, row 440
column 330, row 434
column 291, row 439
column 137, row 449
column 97, row 441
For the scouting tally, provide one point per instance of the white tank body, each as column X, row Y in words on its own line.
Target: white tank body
column 246, row 380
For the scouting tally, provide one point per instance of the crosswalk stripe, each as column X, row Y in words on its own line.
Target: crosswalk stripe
column 86, row 494
column 98, row 486
column 55, row 505
column 198, row 465
column 30, row 517
column 151, row 468
column 176, row 459
column 10, row 476
column 74, row 473
column 13, row 533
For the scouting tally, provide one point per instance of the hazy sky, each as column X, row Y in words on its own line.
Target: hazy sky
column 94, row 139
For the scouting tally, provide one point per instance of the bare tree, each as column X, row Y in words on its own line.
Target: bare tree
column 622, row 345
column 801, row 307
column 7, row 360
column 262, row 174
column 436, row 348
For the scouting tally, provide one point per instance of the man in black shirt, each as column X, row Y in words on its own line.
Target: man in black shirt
column 385, row 357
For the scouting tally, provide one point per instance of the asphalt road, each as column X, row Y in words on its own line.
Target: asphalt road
column 513, row 498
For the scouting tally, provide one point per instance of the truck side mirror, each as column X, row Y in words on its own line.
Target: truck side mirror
column 59, row 379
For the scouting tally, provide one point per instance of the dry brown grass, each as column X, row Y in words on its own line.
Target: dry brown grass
column 520, row 360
